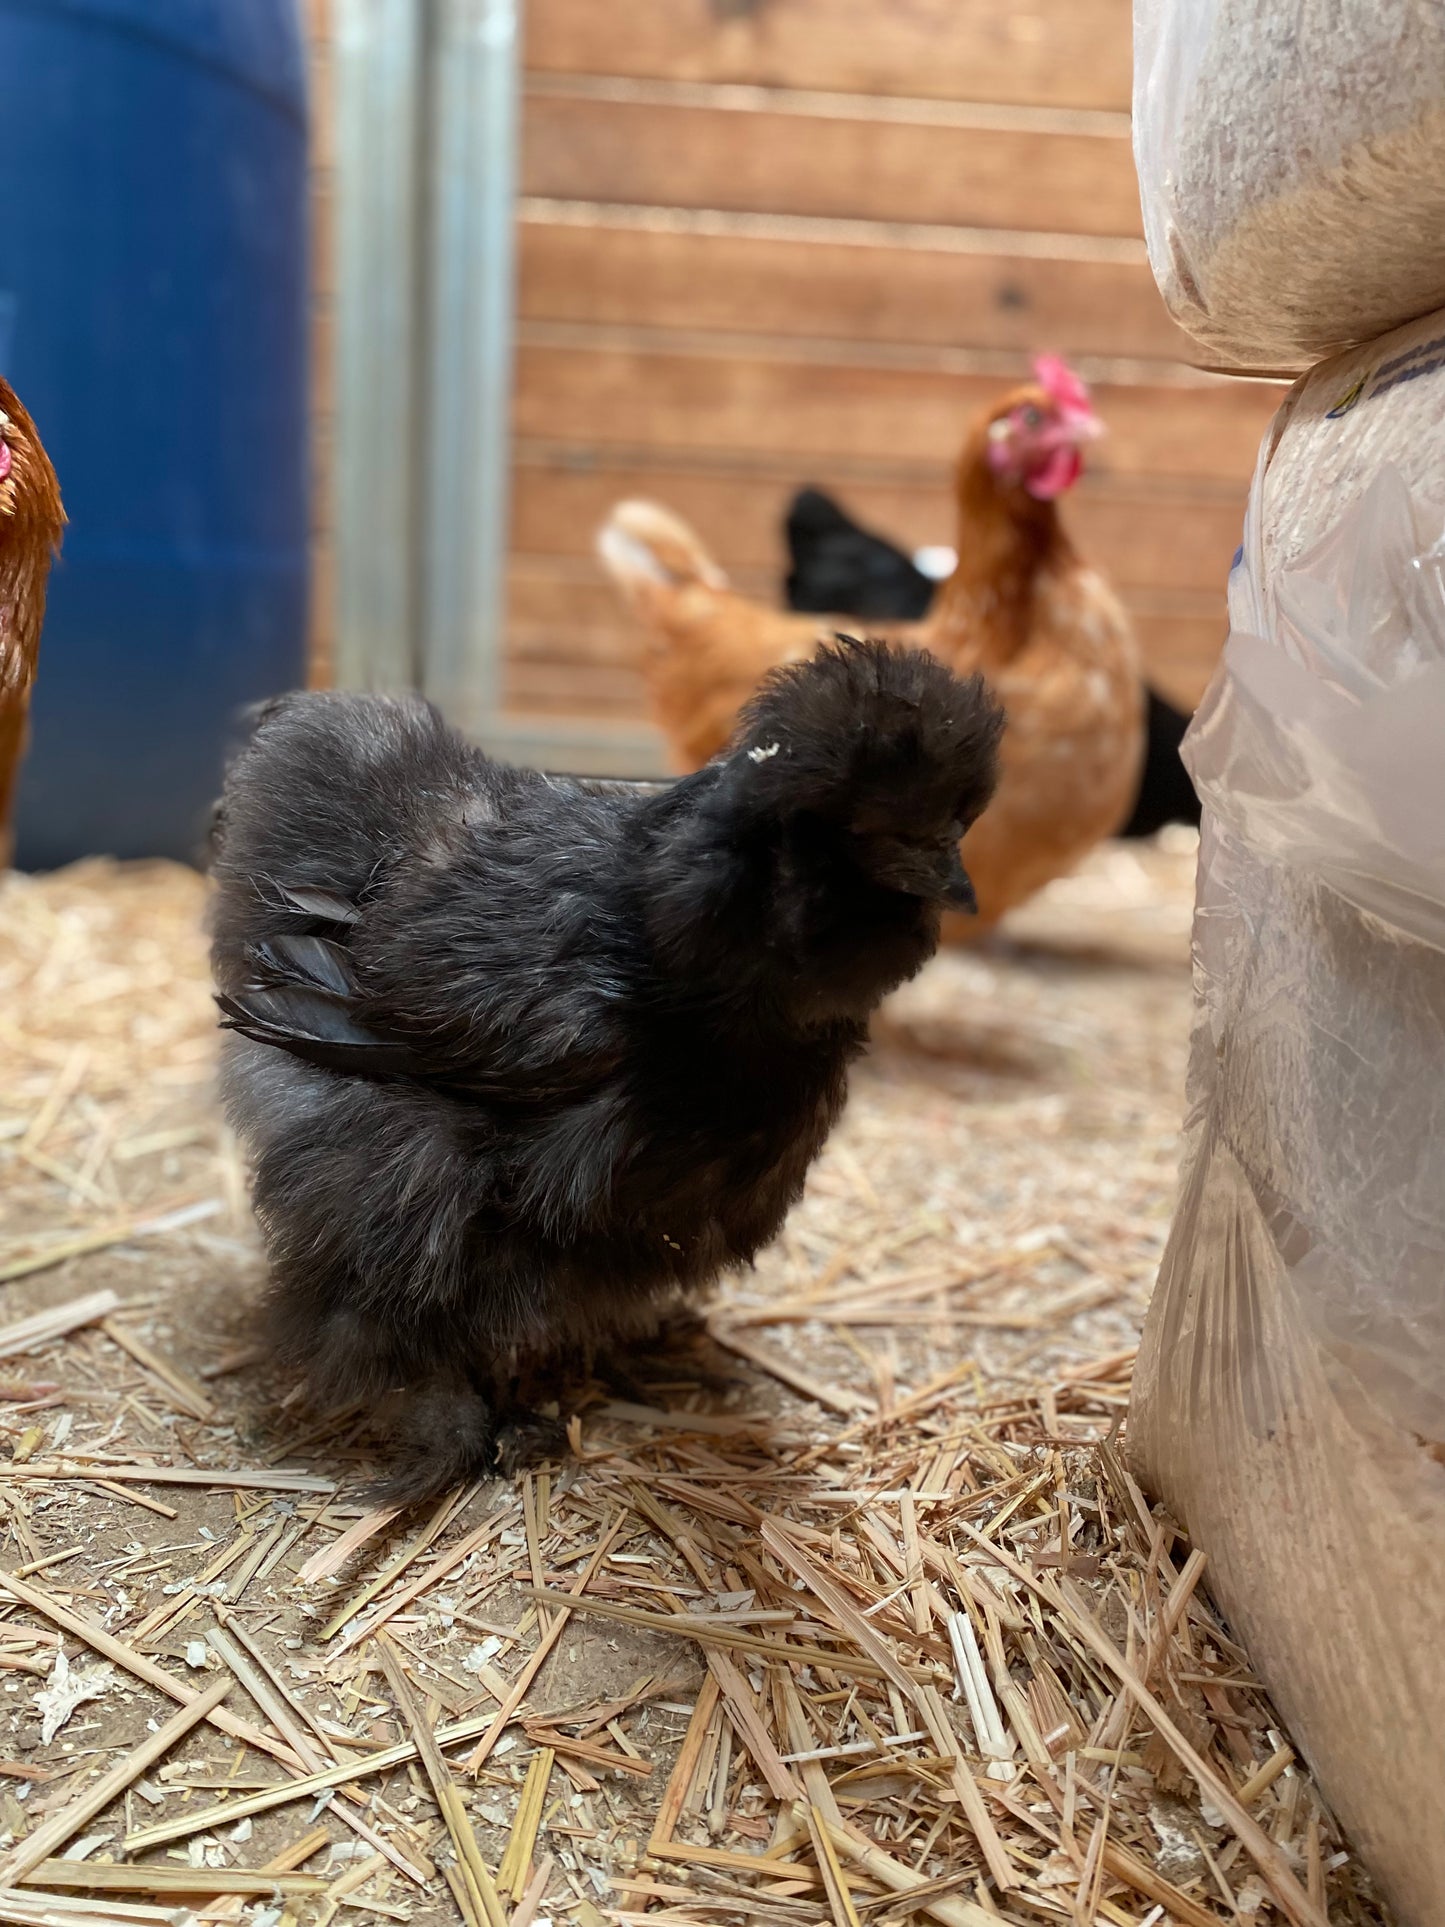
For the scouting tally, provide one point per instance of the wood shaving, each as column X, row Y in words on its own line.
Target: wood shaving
column 67, row 1688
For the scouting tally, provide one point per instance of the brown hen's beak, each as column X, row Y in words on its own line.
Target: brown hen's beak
column 958, row 891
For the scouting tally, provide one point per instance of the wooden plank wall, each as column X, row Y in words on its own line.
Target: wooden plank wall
column 764, row 242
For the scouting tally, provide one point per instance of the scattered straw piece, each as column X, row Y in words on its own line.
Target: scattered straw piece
column 287, row 1861
column 475, row 1870
column 951, row 1909
column 43, row 1327
column 281, row 1795
column 522, row 1685
column 437, row 1570
column 126, row 1232
column 743, row 1712
column 332, row 1558
column 532, row 1899
column 28, row 1853
column 715, row 1633
column 184, row 1390
column 90, row 1876
column 449, row 1509
column 136, row 1663
column 266, row 1691
column 1297, row 1905
column 517, row 1860
column 805, row 1383
column 262, row 1479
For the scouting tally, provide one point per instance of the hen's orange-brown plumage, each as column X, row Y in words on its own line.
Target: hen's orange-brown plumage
column 1021, row 607
column 31, row 520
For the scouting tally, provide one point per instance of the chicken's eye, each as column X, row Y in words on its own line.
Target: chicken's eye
column 1030, row 416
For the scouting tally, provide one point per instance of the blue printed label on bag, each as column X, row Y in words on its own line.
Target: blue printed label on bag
column 1426, row 358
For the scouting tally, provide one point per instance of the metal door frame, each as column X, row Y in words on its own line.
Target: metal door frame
column 427, row 104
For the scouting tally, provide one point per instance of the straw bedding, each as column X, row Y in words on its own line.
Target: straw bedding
column 859, row 1618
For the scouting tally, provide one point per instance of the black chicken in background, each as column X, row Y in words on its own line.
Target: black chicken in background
column 840, row 568
column 1166, row 791
column 517, row 1057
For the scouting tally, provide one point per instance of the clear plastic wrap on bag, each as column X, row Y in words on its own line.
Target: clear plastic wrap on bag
column 1292, row 163
column 1289, row 1400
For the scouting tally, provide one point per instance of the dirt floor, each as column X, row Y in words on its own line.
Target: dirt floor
column 858, row 1617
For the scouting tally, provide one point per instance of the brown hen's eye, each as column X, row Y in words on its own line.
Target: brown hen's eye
column 1031, row 416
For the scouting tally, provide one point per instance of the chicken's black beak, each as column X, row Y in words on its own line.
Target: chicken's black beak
column 958, row 891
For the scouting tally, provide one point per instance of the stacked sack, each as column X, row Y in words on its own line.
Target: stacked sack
column 1289, row 1400
column 1292, row 154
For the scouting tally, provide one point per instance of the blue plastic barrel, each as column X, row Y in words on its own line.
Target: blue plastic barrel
column 153, row 315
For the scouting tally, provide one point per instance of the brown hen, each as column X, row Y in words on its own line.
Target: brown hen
column 1021, row 607
column 31, row 520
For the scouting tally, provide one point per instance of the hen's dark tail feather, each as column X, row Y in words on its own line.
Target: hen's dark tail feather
column 311, row 1028
column 326, row 906
column 296, row 997
column 1166, row 789
column 812, row 513
column 839, row 566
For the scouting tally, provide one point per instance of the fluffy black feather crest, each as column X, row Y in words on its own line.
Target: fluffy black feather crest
column 874, row 737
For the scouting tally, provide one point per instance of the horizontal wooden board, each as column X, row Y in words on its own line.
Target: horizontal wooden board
column 595, row 691
column 1180, row 653
column 1068, row 53
column 636, row 275
column 813, row 408
column 842, row 165
column 565, row 617
column 1142, row 540
column 547, row 591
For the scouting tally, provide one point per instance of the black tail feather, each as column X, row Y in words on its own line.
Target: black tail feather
column 311, row 1025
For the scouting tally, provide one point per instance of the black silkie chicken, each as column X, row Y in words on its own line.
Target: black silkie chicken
column 518, row 1057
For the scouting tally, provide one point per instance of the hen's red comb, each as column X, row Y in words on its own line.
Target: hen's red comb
column 1062, row 385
